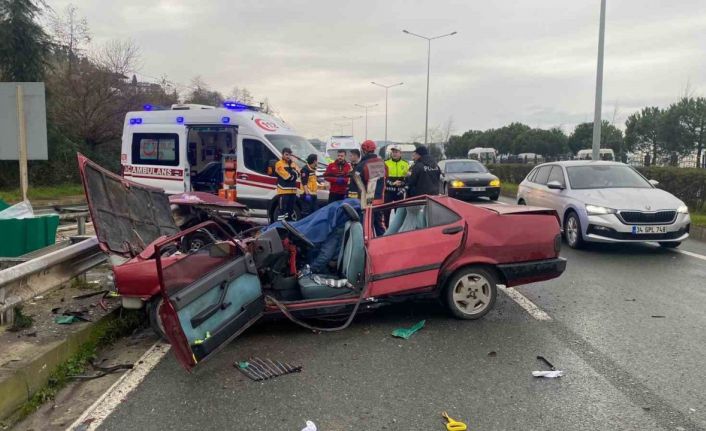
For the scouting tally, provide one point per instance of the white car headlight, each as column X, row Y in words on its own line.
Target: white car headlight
column 597, row 210
column 683, row 209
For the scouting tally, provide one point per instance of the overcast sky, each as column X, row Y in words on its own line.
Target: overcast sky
column 529, row 61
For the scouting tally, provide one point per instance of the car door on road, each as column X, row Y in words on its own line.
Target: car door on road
column 419, row 238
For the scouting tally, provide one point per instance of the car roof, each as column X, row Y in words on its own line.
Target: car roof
column 460, row 160
column 568, row 163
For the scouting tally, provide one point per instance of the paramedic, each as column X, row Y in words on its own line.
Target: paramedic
column 309, row 185
column 337, row 173
column 287, row 174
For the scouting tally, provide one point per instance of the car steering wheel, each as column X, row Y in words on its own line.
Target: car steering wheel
column 298, row 236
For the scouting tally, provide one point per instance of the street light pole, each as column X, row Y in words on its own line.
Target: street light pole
column 599, row 88
column 352, row 120
column 366, row 115
column 428, row 39
column 386, row 87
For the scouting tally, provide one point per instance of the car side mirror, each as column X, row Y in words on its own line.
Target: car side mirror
column 654, row 182
column 555, row 185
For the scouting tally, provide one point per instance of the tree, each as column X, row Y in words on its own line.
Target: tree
column 201, row 94
column 539, row 141
column 24, row 45
column 690, row 115
column 71, row 33
column 242, row 95
column 644, row 132
column 582, row 138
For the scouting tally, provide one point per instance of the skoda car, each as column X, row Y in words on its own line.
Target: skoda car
column 201, row 298
column 605, row 201
column 466, row 179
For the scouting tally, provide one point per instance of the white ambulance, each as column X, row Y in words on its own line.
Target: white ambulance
column 180, row 149
column 336, row 143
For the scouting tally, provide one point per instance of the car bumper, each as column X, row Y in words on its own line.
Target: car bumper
column 516, row 274
column 467, row 193
column 609, row 229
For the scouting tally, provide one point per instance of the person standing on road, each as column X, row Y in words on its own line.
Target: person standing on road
column 309, row 185
column 397, row 169
column 372, row 166
column 424, row 174
column 337, row 173
column 354, row 157
column 287, row 174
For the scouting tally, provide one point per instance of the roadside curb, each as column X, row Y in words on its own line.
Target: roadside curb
column 20, row 380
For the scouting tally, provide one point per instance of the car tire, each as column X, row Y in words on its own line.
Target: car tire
column 195, row 241
column 469, row 284
column 670, row 244
column 154, row 319
column 572, row 231
column 494, row 197
column 521, row 202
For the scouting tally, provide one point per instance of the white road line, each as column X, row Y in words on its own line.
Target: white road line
column 525, row 303
column 94, row 416
column 690, row 253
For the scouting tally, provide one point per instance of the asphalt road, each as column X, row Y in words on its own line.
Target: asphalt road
column 625, row 369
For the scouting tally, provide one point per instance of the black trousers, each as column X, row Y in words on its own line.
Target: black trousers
column 286, row 206
column 308, row 207
column 333, row 197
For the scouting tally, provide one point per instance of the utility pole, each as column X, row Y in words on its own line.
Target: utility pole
column 386, row 87
column 366, row 115
column 599, row 88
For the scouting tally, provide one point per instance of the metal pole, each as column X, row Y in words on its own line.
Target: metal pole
column 386, row 115
column 599, row 87
column 22, row 142
column 366, row 123
column 426, row 118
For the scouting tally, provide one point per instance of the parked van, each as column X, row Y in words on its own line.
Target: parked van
column 182, row 149
column 335, row 143
column 604, row 154
column 406, row 149
column 483, row 155
column 530, row 158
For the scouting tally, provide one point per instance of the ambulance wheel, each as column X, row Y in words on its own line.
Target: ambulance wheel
column 155, row 320
column 470, row 294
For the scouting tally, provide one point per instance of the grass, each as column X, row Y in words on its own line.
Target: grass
column 21, row 320
column 698, row 219
column 508, row 189
column 42, row 192
column 104, row 335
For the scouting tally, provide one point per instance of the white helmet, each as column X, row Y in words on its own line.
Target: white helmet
column 394, row 147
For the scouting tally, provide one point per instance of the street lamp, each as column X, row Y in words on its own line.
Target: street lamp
column 386, row 87
column 366, row 115
column 428, row 39
column 599, row 88
column 352, row 120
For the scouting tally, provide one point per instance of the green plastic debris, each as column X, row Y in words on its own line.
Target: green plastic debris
column 66, row 320
column 243, row 365
column 407, row 332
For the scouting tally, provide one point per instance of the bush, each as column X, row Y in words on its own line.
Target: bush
column 688, row 184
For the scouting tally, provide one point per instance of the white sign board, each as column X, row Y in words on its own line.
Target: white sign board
column 35, row 120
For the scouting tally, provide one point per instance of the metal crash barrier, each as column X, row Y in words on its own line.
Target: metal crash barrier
column 44, row 272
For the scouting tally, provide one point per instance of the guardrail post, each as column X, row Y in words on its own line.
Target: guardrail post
column 81, row 225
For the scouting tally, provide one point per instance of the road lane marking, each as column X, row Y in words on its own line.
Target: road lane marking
column 690, row 253
column 94, row 416
column 529, row 306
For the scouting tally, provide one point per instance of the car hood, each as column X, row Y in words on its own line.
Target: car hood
column 464, row 176
column 126, row 216
column 629, row 199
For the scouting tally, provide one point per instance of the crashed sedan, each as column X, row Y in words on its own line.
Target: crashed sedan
column 330, row 263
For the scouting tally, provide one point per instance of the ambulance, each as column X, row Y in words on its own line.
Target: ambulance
column 336, row 143
column 185, row 148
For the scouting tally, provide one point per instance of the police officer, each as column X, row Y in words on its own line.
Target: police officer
column 424, row 174
column 397, row 169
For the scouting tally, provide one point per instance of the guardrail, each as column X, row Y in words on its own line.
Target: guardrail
column 45, row 272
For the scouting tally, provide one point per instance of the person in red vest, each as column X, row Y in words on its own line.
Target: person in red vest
column 337, row 173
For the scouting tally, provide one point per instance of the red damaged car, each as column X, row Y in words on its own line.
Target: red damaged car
column 434, row 247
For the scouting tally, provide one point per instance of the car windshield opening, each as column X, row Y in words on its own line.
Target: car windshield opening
column 466, row 166
column 300, row 147
column 605, row 177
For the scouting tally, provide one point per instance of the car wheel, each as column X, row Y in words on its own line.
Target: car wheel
column 471, row 293
column 572, row 231
column 521, row 202
column 494, row 197
column 153, row 315
column 195, row 241
column 670, row 244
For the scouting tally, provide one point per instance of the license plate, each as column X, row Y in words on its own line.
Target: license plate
column 477, row 189
column 649, row 229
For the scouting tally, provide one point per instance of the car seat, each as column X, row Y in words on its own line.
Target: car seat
column 351, row 266
column 407, row 219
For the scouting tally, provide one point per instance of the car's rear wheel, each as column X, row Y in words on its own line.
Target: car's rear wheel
column 670, row 244
column 153, row 315
column 521, row 202
column 471, row 292
column 572, row 231
column 494, row 197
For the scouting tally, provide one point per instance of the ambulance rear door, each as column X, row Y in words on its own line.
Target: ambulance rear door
column 156, row 156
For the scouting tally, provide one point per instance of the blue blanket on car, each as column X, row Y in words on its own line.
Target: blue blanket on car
column 319, row 225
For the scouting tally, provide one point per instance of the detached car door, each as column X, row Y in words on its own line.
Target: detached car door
column 419, row 238
column 210, row 297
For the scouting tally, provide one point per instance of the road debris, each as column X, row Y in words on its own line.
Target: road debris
column 66, row 320
column 103, row 371
column 493, row 354
column 408, row 332
column 310, row 426
column 262, row 369
column 89, row 295
column 452, row 424
column 546, row 362
column 658, row 316
column 552, row 374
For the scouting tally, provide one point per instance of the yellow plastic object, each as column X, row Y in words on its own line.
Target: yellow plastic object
column 452, row 424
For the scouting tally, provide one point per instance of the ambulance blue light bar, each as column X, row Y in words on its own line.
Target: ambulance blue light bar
column 136, row 120
column 237, row 106
column 225, row 120
column 180, row 120
column 147, row 107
